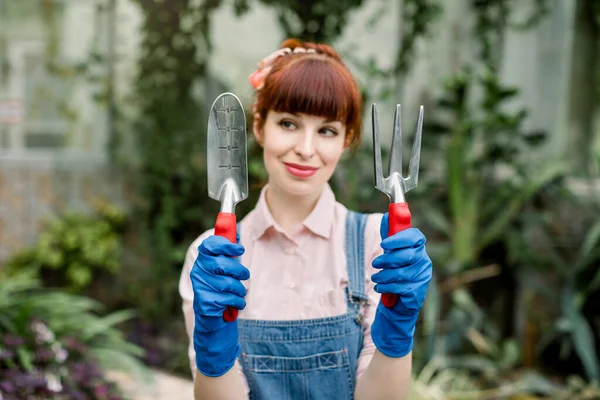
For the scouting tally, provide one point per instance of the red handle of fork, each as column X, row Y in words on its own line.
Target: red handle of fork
column 226, row 226
column 398, row 220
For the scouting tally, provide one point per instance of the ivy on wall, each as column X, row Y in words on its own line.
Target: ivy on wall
column 320, row 21
column 170, row 134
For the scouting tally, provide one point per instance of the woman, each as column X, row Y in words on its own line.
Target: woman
column 306, row 273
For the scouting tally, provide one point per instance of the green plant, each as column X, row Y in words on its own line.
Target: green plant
column 560, row 238
column 473, row 378
column 467, row 202
column 488, row 175
column 579, row 389
column 73, row 249
column 57, row 344
column 353, row 181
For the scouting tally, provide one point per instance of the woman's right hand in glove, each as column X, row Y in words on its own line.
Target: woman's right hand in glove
column 216, row 279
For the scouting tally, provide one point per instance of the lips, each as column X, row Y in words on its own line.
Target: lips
column 301, row 171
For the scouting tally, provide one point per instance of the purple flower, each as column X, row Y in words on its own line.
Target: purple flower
column 74, row 345
column 75, row 394
column 30, row 381
column 43, row 355
column 7, row 387
column 12, row 374
column 6, row 355
column 13, row 340
column 84, row 372
column 101, row 392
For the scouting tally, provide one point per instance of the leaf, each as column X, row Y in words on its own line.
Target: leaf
column 581, row 333
column 25, row 358
column 107, row 322
column 494, row 204
column 79, row 275
column 438, row 220
column 431, row 314
column 595, row 284
column 591, row 240
column 534, row 382
column 474, row 363
column 111, row 359
column 496, row 227
column 7, row 324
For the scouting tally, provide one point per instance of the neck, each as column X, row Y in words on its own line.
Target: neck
column 289, row 210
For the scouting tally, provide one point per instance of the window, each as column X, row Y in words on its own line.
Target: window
column 35, row 103
column 51, row 88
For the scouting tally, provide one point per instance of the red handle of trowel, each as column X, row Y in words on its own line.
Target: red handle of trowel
column 226, row 227
column 398, row 220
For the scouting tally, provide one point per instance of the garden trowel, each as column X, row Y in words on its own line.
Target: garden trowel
column 227, row 166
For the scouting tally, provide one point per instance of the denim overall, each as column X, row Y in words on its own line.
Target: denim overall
column 314, row 358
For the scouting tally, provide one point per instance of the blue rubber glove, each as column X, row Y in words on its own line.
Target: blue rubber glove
column 406, row 270
column 216, row 277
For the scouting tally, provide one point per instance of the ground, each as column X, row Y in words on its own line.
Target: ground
column 160, row 386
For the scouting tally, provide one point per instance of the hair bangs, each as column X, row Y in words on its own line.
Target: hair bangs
column 314, row 87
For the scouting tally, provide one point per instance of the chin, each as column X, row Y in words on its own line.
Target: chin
column 298, row 187
column 301, row 188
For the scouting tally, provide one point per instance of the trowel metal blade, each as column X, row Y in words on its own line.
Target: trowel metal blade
column 227, row 165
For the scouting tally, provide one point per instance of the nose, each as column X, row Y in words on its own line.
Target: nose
column 305, row 147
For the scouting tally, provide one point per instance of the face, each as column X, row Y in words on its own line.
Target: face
column 300, row 151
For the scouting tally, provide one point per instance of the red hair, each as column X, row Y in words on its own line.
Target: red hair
column 314, row 83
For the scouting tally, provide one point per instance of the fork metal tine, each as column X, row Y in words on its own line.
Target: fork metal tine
column 394, row 184
column 377, row 149
column 413, row 167
column 395, row 160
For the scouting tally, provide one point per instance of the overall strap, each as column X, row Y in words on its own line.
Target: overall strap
column 355, row 255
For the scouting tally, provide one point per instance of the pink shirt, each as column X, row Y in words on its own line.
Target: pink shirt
column 295, row 276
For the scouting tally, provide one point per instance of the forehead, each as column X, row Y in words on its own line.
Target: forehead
column 312, row 87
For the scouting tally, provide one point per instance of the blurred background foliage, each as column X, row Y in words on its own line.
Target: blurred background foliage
column 513, row 311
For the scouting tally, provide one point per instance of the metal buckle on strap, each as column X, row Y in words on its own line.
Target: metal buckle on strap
column 359, row 319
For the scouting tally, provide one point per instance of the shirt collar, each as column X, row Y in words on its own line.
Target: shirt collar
column 264, row 220
column 319, row 221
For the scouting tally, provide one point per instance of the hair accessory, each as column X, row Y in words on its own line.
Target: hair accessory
column 257, row 78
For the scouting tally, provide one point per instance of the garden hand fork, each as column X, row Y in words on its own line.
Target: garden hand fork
column 395, row 185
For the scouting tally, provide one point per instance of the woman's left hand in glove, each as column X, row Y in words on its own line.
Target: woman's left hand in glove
column 405, row 270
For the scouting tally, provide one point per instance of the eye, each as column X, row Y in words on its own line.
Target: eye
column 328, row 132
column 287, row 124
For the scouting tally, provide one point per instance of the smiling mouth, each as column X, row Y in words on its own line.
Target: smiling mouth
column 301, row 171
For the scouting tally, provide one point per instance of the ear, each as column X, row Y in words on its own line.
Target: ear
column 256, row 130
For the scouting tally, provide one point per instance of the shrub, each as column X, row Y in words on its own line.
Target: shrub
column 74, row 249
column 56, row 345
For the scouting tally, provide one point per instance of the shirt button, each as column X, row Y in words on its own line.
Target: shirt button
column 289, row 250
column 292, row 285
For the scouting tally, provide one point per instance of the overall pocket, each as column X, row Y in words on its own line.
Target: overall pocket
column 326, row 376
